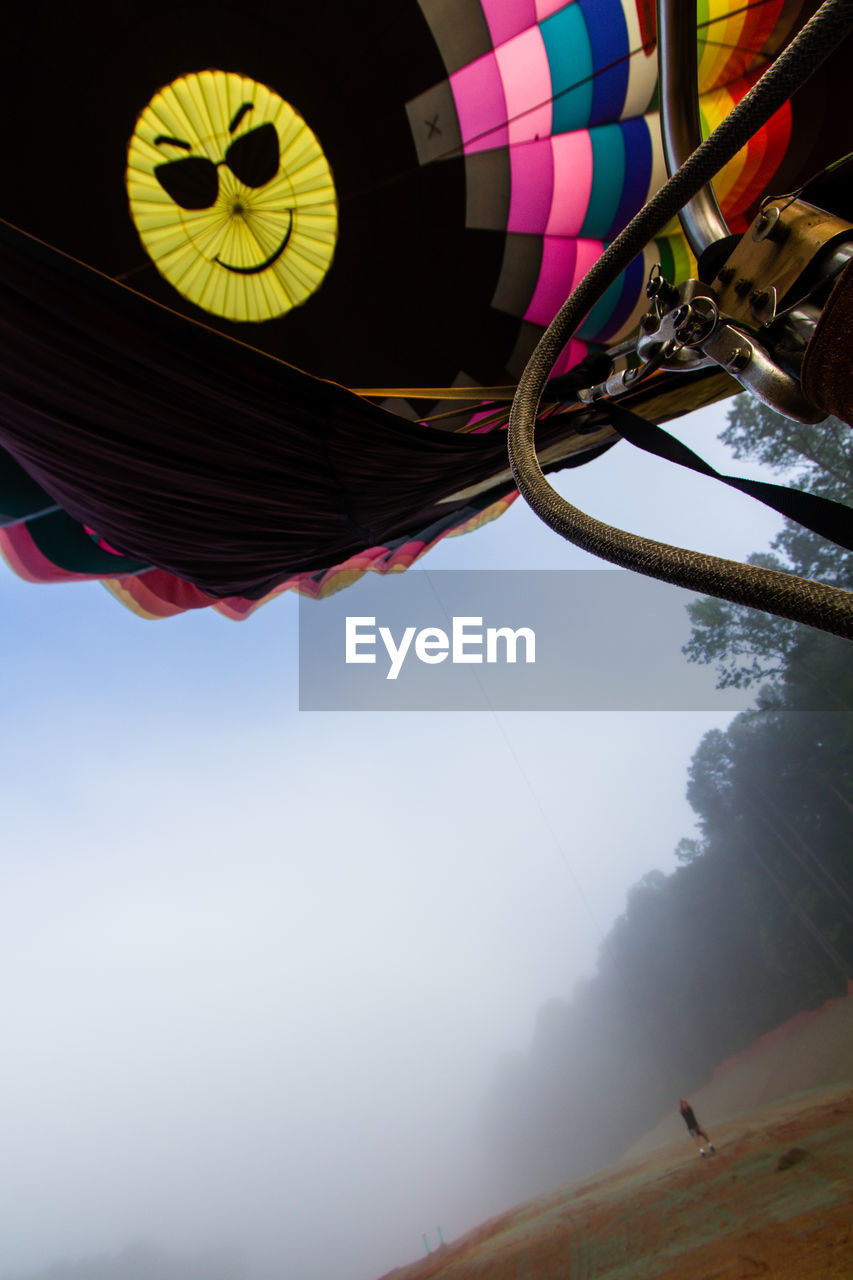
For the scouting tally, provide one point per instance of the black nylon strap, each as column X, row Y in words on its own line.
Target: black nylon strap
column 830, row 519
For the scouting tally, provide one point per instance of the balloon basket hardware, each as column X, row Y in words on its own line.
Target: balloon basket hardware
column 754, row 313
column 757, row 315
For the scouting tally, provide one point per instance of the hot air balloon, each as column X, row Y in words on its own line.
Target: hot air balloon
column 221, row 221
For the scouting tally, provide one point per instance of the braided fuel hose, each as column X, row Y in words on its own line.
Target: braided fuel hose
column 786, row 595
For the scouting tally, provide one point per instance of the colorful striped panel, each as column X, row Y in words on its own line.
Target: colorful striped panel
column 480, row 104
column 611, row 52
column 564, row 264
column 581, row 66
column 732, row 43
column 56, row 548
column 544, row 8
column 569, row 52
column 382, row 560
column 676, row 261
column 616, row 307
column 745, row 177
column 27, row 561
column 523, row 67
column 641, row 170
column 157, row 594
column 507, row 18
column 573, row 352
column 589, row 183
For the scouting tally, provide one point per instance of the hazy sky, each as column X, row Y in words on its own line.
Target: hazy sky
column 257, row 965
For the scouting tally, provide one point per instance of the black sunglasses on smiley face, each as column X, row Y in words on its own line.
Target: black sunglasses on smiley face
column 193, row 181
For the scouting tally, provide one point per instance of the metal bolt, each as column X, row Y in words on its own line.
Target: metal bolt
column 726, row 275
column 739, row 359
column 767, row 222
column 742, row 287
column 650, row 322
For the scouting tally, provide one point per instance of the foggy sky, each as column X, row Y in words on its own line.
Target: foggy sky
column 258, row 968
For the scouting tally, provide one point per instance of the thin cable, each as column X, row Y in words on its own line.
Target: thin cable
column 785, row 595
column 605, row 944
column 589, row 79
column 555, row 97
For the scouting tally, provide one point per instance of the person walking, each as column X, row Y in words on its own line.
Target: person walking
column 694, row 1128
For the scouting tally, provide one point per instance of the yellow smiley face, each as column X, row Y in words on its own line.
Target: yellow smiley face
column 232, row 196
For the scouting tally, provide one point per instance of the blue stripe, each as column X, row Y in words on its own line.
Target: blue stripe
column 633, row 284
column 638, row 174
column 608, row 38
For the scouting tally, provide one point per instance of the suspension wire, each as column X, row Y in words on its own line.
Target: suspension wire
column 558, row 845
column 785, row 595
column 600, row 71
column 808, row 855
column 453, row 152
column 838, row 961
column 805, row 859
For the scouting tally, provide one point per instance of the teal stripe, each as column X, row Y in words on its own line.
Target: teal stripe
column 20, row 496
column 67, row 545
column 608, row 180
column 570, row 60
column 598, row 318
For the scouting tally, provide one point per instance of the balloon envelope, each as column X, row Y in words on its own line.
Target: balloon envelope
column 384, row 194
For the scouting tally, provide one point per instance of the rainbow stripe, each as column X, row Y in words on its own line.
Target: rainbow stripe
column 565, row 94
column 734, row 39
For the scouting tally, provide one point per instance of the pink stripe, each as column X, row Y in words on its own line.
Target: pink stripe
column 102, row 542
column 558, row 266
column 571, row 355
column 236, row 608
column 532, row 187
column 158, row 594
column 404, row 557
column 239, row 611
column 564, row 264
column 589, row 251
column 506, row 18
column 480, row 104
column 486, row 413
column 526, row 77
column 544, row 8
column 572, row 183
column 165, row 596
column 29, row 563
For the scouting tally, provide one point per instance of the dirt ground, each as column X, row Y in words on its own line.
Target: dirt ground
column 775, row 1201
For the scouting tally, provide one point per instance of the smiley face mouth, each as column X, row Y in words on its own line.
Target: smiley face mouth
column 261, row 266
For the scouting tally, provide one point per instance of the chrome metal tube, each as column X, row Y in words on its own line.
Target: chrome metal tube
column 701, row 218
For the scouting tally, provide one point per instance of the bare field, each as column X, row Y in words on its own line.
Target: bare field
column 775, row 1201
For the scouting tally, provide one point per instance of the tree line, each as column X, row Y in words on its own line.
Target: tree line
column 756, row 922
